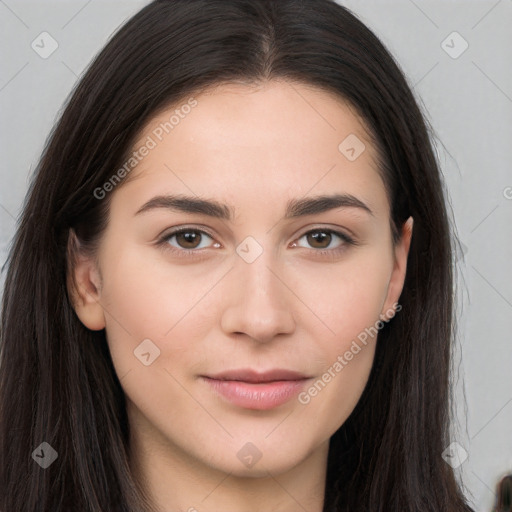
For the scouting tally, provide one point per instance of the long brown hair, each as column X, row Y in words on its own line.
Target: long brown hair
column 57, row 381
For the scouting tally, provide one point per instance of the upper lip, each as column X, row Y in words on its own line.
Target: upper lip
column 250, row 375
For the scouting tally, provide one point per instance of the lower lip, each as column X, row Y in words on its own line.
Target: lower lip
column 262, row 396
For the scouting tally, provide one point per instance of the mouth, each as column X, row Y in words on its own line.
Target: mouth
column 249, row 389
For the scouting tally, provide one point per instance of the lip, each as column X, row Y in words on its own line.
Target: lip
column 249, row 389
column 253, row 376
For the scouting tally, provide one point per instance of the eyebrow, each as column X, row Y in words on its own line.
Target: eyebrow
column 294, row 208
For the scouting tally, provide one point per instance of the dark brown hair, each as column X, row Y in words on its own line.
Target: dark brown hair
column 57, row 381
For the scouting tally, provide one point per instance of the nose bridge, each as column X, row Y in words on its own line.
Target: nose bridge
column 260, row 305
column 255, row 266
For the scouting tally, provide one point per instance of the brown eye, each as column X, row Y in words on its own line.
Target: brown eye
column 188, row 239
column 325, row 240
column 319, row 239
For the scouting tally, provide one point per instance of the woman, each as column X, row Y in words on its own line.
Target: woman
column 231, row 287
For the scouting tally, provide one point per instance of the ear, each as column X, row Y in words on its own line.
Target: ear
column 84, row 285
column 397, row 279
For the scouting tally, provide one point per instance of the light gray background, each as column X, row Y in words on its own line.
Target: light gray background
column 468, row 101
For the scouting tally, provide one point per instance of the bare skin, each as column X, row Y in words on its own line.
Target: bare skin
column 208, row 309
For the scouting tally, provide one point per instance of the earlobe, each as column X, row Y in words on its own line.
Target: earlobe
column 397, row 279
column 84, row 286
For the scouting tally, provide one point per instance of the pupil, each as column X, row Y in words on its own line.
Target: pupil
column 190, row 239
column 319, row 237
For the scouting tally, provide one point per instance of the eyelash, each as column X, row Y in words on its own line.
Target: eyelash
column 196, row 253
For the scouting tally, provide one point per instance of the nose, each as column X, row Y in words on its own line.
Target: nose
column 259, row 303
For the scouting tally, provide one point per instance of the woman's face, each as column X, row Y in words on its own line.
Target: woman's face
column 268, row 280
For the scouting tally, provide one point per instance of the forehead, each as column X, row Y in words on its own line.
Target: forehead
column 275, row 140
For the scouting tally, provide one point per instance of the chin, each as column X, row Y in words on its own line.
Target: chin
column 267, row 461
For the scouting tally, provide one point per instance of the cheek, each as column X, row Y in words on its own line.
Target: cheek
column 145, row 297
column 331, row 398
column 146, row 292
column 346, row 297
